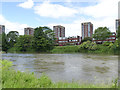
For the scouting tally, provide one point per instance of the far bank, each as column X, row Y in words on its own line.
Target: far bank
column 86, row 47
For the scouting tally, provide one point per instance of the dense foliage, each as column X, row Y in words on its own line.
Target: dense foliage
column 12, row 37
column 89, row 47
column 5, row 45
column 101, row 33
column 17, row 79
column 24, row 43
column 42, row 41
column 118, row 38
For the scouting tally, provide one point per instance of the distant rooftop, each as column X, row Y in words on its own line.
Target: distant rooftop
column 28, row 27
column 2, row 25
column 86, row 22
column 117, row 19
column 59, row 26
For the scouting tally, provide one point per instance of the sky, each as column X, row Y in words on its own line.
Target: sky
column 17, row 15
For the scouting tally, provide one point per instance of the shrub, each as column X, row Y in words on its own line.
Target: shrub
column 107, row 43
column 88, row 45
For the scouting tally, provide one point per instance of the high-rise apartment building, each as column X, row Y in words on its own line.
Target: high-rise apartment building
column 87, row 29
column 28, row 31
column 2, row 29
column 59, row 31
column 117, row 23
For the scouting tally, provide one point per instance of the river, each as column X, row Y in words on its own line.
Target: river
column 68, row 67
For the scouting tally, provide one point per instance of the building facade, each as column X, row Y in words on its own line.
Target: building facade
column 59, row 31
column 117, row 23
column 112, row 38
column 87, row 29
column 28, row 31
column 75, row 40
column 2, row 29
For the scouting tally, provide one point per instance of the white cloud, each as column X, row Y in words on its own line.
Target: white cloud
column 11, row 26
column 74, row 28
column 108, row 22
column 54, row 10
column 102, row 14
column 105, row 8
column 27, row 4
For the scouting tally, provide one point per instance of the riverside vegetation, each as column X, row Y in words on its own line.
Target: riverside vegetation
column 43, row 40
column 17, row 79
column 89, row 47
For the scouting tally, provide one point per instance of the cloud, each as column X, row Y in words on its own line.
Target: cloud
column 70, row 29
column 108, row 22
column 12, row 26
column 74, row 28
column 47, row 9
column 104, row 8
column 102, row 14
column 28, row 4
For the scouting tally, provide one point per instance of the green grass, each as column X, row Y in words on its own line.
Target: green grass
column 17, row 79
column 65, row 49
column 76, row 49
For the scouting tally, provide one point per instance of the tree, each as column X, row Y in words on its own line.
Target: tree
column 12, row 38
column 118, row 34
column 43, row 39
column 101, row 33
column 24, row 43
column 4, row 42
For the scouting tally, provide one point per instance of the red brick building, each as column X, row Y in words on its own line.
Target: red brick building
column 2, row 29
column 69, row 41
column 112, row 38
column 28, row 31
column 59, row 31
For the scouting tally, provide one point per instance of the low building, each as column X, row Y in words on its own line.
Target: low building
column 2, row 29
column 62, row 41
column 112, row 38
column 28, row 31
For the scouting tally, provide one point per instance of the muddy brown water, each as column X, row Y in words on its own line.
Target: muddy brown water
column 68, row 67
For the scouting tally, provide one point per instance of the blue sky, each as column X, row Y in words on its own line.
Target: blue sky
column 19, row 15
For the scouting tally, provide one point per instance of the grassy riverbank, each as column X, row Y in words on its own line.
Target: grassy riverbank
column 89, row 47
column 17, row 79
column 85, row 47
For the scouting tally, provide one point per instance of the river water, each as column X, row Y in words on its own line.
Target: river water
column 68, row 67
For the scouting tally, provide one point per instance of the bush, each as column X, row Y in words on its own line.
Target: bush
column 88, row 46
column 107, row 43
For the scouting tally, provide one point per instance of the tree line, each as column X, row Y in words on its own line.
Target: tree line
column 43, row 39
